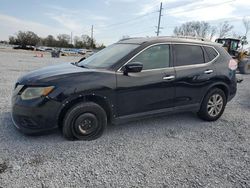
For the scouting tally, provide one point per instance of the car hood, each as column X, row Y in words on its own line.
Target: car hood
column 52, row 72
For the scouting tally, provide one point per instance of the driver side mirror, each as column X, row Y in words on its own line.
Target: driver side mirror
column 132, row 67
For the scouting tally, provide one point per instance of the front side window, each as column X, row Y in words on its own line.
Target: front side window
column 188, row 55
column 154, row 57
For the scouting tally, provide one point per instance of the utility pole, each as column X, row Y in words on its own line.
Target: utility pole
column 159, row 21
column 71, row 38
column 92, row 36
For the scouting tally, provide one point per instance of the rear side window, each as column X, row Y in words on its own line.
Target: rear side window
column 211, row 53
column 188, row 55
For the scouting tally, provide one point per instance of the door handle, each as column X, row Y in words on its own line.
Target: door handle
column 208, row 71
column 168, row 77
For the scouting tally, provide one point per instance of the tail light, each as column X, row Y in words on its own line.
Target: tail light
column 232, row 65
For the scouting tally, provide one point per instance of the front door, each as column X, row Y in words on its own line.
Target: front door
column 152, row 88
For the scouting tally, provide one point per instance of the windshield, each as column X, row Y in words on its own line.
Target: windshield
column 108, row 56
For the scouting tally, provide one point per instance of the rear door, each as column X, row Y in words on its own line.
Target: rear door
column 195, row 71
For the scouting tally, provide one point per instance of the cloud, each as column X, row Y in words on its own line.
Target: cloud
column 69, row 22
column 74, row 20
column 109, row 2
column 196, row 10
column 208, row 10
column 203, row 11
column 10, row 25
column 99, row 18
column 147, row 8
column 153, row 6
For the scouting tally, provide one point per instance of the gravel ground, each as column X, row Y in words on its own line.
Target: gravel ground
column 174, row 151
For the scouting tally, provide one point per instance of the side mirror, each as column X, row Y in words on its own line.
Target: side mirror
column 133, row 67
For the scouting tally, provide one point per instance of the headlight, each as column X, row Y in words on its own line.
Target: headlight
column 35, row 92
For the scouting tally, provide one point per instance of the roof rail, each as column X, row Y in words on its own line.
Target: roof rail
column 129, row 38
column 194, row 38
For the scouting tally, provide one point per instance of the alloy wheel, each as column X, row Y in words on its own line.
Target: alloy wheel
column 215, row 105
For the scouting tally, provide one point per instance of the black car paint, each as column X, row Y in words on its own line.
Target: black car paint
column 123, row 96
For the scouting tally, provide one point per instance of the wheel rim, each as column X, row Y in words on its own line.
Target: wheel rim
column 85, row 125
column 215, row 105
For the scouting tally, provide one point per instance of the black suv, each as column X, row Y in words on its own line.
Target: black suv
column 131, row 79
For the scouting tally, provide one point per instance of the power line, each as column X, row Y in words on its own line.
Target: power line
column 149, row 18
column 151, row 13
column 130, row 34
column 141, row 32
column 198, row 8
column 129, row 20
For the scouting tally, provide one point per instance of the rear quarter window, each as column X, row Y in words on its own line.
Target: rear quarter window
column 211, row 53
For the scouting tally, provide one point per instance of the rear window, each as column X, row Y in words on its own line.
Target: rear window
column 188, row 55
column 211, row 53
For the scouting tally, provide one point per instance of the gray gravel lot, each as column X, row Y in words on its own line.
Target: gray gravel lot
column 178, row 150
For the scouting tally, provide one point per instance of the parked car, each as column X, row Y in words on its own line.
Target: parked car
column 68, row 52
column 48, row 49
column 25, row 47
column 131, row 79
column 40, row 48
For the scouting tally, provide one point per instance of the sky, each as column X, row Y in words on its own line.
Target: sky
column 113, row 19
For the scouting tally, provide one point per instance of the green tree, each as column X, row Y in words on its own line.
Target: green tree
column 195, row 29
column 24, row 38
column 63, row 40
column 12, row 40
column 50, row 41
column 225, row 28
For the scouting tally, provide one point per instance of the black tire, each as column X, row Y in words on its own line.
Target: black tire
column 209, row 111
column 84, row 121
column 244, row 66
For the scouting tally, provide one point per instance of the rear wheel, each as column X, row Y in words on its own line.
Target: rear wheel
column 84, row 121
column 213, row 105
column 244, row 66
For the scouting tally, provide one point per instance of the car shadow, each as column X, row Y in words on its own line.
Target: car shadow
column 9, row 132
column 177, row 122
column 182, row 120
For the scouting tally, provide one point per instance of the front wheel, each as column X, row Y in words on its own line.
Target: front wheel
column 213, row 105
column 84, row 121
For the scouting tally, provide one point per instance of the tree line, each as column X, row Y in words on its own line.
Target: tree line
column 29, row 38
column 205, row 30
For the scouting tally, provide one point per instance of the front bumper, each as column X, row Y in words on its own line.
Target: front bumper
column 34, row 116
